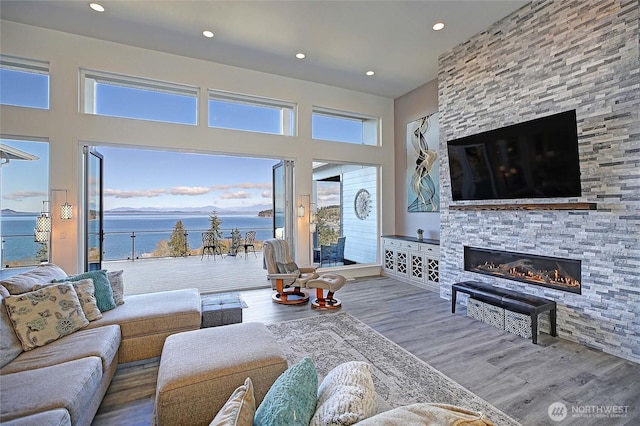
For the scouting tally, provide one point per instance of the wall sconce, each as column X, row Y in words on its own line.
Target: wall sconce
column 40, row 236
column 43, row 225
column 300, row 210
column 66, row 209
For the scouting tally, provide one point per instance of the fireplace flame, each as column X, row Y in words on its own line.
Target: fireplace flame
column 524, row 269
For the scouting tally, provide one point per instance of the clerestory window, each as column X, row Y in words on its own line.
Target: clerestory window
column 346, row 127
column 116, row 95
column 24, row 82
column 251, row 113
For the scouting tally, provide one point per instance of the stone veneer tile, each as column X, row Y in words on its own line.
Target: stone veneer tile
column 548, row 57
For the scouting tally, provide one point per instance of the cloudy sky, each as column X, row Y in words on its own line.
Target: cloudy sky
column 149, row 178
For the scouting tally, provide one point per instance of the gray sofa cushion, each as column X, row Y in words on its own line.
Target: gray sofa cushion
column 71, row 385
column 102, row 342
column 59, row 417
column 149, row 313
column 25, row 281
column 147, row 319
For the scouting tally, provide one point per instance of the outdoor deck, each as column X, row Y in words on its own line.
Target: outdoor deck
column 209, row 274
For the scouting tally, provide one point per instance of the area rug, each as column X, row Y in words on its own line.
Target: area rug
column 400, row 377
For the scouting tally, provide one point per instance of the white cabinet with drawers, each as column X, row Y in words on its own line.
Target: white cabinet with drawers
column 411, row 260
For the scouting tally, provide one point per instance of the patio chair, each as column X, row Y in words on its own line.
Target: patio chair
column 236, row 242
column 326, row 254
column 249, row 241
column 287, row 279
column 210, row 244
column 338, row 253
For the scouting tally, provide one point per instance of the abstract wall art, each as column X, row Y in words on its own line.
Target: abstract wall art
column 423, row 165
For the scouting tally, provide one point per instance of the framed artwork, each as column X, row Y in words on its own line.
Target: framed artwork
column 423, row 165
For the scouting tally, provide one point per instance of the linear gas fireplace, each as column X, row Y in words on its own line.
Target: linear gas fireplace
column 552, row 272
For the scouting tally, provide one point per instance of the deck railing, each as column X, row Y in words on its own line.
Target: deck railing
column 122, row 245
column 132, row 245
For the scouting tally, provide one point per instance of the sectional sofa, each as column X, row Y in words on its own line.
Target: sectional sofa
column 64, row 381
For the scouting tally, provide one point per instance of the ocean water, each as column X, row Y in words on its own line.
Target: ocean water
column 149, row 229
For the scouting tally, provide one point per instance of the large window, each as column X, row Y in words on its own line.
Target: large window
column 251, row 113
column 24, row 177
column 339, row 126
column 24, row 82
column 133, row 97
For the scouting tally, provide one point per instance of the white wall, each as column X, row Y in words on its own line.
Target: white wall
column 66, row 128
column 409, row 107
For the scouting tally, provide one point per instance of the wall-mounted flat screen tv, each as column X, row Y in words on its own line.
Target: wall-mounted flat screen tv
column 533, row 159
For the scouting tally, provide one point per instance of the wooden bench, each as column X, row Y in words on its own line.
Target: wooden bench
column 509, row 300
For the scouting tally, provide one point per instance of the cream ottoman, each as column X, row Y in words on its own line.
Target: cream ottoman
column 331, row 283
column 200, row 369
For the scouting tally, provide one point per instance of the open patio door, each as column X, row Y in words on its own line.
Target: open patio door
column 93, row 208
column 283, row 202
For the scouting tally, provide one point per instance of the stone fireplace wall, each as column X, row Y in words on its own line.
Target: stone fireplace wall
column 548, row 57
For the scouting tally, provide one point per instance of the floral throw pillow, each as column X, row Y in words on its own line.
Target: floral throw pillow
column 86, row 295
column 42, row 316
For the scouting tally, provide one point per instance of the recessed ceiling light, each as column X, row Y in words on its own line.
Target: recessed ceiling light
column 207, row 34
column 300, row 55
column 97, row 7
column 438, row 26
column 370, row 73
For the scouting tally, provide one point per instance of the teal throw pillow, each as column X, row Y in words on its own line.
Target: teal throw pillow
column 292, row 398
column 104, row 293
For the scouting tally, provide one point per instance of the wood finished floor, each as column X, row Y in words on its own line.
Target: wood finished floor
column 520, row 378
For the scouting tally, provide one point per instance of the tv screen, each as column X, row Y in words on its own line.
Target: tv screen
column 534, row 159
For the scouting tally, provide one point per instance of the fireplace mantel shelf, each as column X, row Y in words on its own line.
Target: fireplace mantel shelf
column 528, row 206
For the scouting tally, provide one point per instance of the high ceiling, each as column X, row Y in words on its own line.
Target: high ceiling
column 341, row 39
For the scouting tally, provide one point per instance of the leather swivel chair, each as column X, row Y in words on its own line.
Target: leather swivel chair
column 287, row 279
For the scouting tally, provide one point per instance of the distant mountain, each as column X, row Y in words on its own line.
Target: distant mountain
column 255, row 209
column 165, row 210
column 10, row 212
